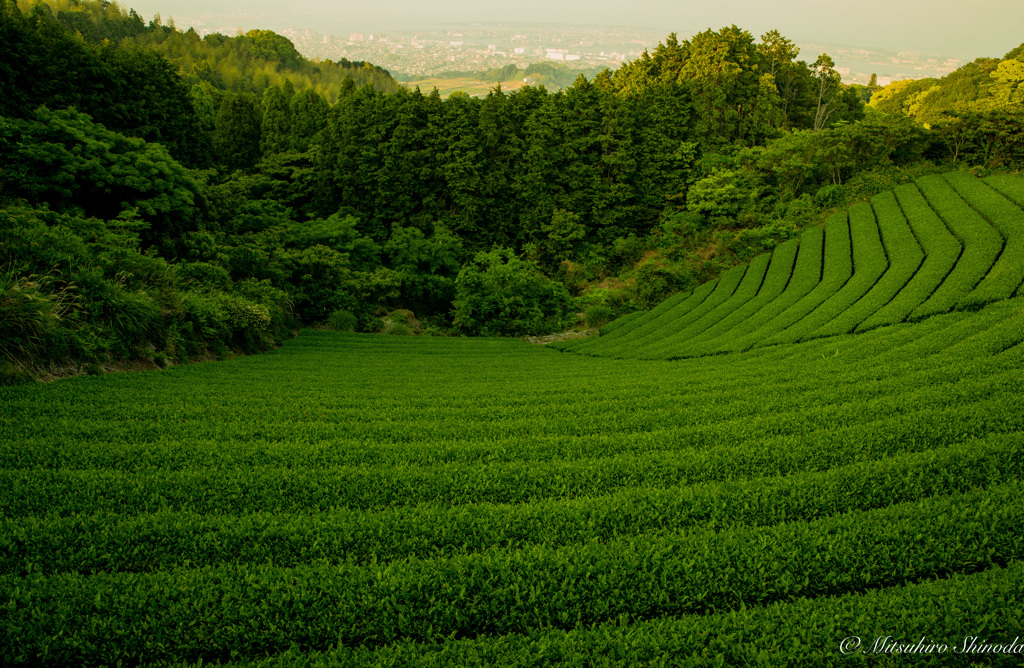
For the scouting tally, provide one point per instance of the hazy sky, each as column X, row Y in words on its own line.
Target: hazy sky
column 959, row 28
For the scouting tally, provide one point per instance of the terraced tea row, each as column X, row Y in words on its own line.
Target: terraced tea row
column 145, row 542
column 248, row 609
column 950, row 242
column 943, row 609
column 353, row 498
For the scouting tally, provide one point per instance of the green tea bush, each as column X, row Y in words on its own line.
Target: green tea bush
column 807, row 274
column 493, row 591
column 1007, row 274
column 647, row 321
column 803, row 633
column 835, row 272
column 712, row 313
column 933, row 288
column 368, row 500
column 618, row 323
column 894, row 297
column 723, row 288
column 902, row 254
column 776, row 278
column 837, row 314
column 981, row 246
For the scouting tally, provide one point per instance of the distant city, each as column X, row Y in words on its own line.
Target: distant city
column 473, row 47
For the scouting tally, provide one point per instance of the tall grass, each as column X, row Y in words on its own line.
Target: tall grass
column 30, row 310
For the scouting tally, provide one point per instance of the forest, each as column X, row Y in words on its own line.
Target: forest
column 167, row 197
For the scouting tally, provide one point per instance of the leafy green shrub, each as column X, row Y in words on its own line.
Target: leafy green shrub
column 829, row 195
column 205, row 316
column 396, row 329
column 246, row 315
column 126, row 318
column 133, row 315
column 801, row 211
column 753, row 240
column 276, row 300
column 403, row 317
column 401, row 322
column 628, row 250
column 657, row 280
column 342, row 321
column 499, row 293
column 721, row 193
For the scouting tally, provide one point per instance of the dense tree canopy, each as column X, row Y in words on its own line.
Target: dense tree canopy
column 977, row 110
column 191, row 181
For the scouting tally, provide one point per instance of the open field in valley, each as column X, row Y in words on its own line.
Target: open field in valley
column 825, row 444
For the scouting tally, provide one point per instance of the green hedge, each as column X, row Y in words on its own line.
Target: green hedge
column 702, row 455
column 869, row 264
column 662, row 315
column 905, row 257
column 727, row 285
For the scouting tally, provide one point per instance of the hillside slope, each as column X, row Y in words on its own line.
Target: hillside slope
column 949, row 242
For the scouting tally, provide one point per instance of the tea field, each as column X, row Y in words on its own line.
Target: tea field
column 949, row 242
column 364, row 500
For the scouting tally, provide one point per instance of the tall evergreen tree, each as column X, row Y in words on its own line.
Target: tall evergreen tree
column 237, row 131
column 276, row 129
column 309, row 118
